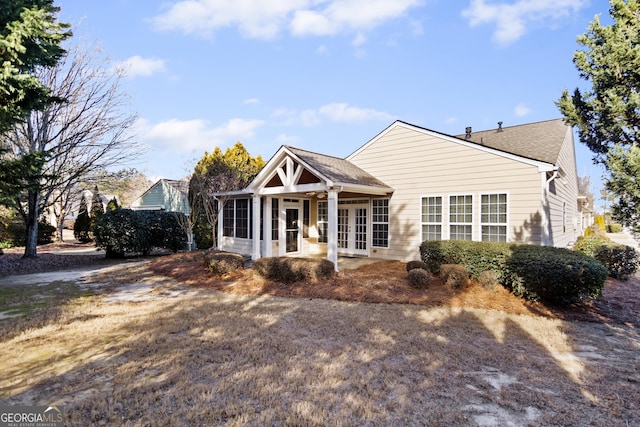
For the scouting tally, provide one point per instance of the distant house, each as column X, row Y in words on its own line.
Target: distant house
column 165, row 194
column 407, row 185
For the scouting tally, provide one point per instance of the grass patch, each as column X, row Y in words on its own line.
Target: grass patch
column 22, row 300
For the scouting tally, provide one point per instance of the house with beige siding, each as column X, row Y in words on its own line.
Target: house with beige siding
column 406, row 185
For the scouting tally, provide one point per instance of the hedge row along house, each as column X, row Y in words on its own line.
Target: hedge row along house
column 406, row 185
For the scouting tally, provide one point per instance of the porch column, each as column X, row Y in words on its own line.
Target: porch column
column 256, row 227
column 268, row 246
column 332, row 231
column 219, row 224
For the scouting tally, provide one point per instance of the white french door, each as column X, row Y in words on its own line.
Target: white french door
column 352, row 229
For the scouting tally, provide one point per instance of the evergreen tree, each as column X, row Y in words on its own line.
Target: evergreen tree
column 112, row 205
column 624, row 167
column 607, row 116
column 83, row 223
column 97, row 209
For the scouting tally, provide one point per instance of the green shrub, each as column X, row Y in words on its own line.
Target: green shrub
column 621, row 261
column 219, row 263
column 476, row 257
column 454, row 275
column 556, row 275
column 588, row 244
column 412, row 265
column 419, row 278
column 124, row 231
column 14, row 233
column 533, row 272
column 614, row 228
column 289, row 270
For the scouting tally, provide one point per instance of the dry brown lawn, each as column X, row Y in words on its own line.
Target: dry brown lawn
column 361, row 349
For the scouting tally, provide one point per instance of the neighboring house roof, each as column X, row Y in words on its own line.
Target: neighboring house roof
column 338, row 170
column 164, row 194
column 538, row 141
column 181, row 186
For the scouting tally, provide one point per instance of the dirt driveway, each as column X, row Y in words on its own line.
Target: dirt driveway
column 165, row 354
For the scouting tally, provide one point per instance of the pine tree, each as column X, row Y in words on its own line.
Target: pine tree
column 112, row 205
column 97, row 209
column 607, row 116
column 83, row 222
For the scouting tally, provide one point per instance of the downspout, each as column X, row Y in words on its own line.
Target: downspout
column 544, row 226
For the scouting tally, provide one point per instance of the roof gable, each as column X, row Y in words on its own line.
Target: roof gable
column 292, row 166
column 536, row 143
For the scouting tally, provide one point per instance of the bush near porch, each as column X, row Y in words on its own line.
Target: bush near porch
column 290, row 270
column 536, row 273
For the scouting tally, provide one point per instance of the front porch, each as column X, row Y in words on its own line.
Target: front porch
column 306, row 204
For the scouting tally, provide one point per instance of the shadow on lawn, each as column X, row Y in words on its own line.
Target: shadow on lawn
column 223, row 359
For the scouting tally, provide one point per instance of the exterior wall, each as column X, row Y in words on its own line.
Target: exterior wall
column 164, row 196
column 564, row 215
column 416, row 165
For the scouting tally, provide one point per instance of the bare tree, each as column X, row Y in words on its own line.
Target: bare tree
column 88, row 131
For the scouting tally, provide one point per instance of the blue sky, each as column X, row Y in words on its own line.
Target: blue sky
column 329, row 75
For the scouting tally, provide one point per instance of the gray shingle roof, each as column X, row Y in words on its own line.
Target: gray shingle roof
column 338, row 170
column 538, row 141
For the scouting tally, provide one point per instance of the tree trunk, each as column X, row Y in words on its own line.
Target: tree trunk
column 30, row 249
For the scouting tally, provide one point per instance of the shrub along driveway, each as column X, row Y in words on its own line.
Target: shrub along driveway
column 197, row 356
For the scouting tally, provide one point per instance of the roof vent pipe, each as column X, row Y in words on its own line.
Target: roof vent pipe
column 467, row 131
column 499, row 126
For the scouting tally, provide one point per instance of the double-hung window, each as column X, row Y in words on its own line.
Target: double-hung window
column 380, row 222
column 460, row 217
column 431, row 218
column 493, row 217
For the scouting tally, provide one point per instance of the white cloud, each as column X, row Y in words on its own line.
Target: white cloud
column 268, row 19
column 334, row 112
column 139, row 66
column 522, row 110
column 359, row 40
column 195, row 135
column 250, row 101
column 513, row 19
column 285, row 139
column 322, row 50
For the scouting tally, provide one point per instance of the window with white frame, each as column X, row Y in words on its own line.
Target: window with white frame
column 323, row 221
column 431, row 218
column 460, row 217
column 236, row 218
column 380, row 222
column 493, row 217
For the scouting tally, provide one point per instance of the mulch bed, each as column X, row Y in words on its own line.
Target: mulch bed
column 386, row 282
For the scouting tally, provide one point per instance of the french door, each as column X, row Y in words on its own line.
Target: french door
column 352, row 230
column 292, row 230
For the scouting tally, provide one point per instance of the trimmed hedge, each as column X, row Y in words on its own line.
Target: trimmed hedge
column 550, row 274
column 476, row 257
column 127, row 231
column 556, row 275
column 290, row 270
column 219, row 263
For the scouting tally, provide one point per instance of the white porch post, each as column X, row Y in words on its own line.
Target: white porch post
column 256, row 227
column 268, row 246
column 332, row 232
column 220, row 225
